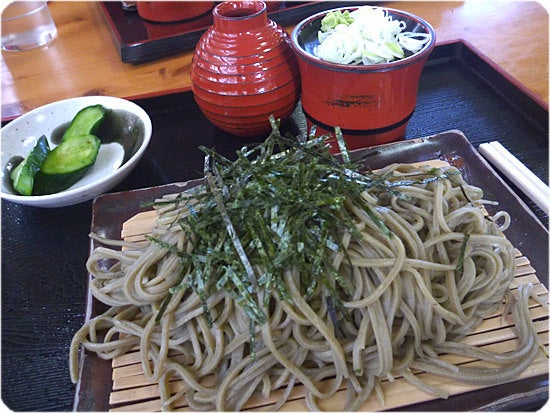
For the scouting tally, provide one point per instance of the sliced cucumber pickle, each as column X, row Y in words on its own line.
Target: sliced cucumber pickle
column 66, row 164
column 85, row 122
column 23, row 175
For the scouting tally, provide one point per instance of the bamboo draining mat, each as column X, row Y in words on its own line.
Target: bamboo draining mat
column 132, row 392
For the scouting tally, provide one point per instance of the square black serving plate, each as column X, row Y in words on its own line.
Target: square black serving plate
column 110, row 211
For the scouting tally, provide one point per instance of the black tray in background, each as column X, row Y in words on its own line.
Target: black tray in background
column 139, row 41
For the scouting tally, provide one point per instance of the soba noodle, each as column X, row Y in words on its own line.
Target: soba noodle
column 413, row 296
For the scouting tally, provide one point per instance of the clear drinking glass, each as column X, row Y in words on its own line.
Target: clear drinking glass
column 26, row 25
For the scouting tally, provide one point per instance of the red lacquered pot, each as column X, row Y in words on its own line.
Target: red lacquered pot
column 372, row 104
column 171, row 11
column 244, row 70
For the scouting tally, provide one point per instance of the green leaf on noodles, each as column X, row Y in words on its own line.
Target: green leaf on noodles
column 281, row 205
column 460, row 264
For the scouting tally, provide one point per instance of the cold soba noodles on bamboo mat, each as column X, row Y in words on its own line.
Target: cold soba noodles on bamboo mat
column 290, row 268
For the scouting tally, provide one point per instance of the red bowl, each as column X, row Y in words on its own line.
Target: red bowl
column 170, row 11
column 372, row 104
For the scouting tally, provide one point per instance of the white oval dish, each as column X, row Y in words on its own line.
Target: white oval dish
column 20, row 135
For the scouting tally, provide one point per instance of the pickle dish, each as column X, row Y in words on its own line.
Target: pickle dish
column 124, row 134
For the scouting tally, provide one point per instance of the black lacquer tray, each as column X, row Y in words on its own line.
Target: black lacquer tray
column 44, row 280
column 459, row 90
column 139, row 41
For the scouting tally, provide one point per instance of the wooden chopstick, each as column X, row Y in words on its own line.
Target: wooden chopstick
column 517, row 172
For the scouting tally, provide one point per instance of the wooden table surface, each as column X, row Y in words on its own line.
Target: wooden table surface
column 83, row 60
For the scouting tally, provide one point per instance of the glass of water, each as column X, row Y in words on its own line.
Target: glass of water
column 26, row 25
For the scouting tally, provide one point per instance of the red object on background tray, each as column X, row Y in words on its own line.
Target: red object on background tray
column 171, row 11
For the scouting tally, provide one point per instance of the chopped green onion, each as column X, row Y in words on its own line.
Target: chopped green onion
column 367, row 35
